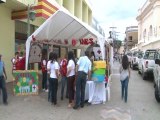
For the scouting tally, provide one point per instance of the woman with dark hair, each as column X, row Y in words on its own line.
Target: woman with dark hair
column 71, row 77
column 44, row 72
column 93, row 57
column 53, row 69
column 124, row 77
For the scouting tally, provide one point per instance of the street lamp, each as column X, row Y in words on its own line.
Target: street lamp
column 31, row 15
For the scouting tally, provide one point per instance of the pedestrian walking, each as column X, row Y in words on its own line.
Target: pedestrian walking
column 53, row 68
column 64, row 81
column 3, row 77
column 71, row 78
column 84, row 68
column 124, row 77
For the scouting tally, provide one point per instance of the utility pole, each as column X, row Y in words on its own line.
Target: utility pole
column 113, row 35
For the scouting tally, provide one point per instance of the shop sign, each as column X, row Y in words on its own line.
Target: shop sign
column 74, row 42
column 52, row 41
column 86, row 41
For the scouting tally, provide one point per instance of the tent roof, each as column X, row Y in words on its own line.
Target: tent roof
column 62, row 26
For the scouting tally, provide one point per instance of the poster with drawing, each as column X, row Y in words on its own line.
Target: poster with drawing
column 35, row 52
column 25, row 82
column 97, row 52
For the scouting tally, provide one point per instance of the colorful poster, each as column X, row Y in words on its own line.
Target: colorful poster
column 25, row 82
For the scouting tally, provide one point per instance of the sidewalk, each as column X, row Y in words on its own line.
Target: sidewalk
column 38, row 107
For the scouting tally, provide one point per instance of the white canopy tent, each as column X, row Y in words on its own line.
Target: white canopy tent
column 62, row 26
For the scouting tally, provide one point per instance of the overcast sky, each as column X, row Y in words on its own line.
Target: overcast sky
column 116, row 13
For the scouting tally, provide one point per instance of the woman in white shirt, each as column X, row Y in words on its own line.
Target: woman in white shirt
column 53, row 69
column 71, row 78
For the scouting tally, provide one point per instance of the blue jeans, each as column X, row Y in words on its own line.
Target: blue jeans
column 124, row 86
column 64, row 82
column 80, row 88
column 53, row 87
column 3, row 87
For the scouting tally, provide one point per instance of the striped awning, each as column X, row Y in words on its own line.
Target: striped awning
column 44, row 9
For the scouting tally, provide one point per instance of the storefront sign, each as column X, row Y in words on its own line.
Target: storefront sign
column 74, row 42
column 86, row 41
column 25, row 82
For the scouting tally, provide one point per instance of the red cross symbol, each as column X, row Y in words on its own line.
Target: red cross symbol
column 99, row 51
column 34, row 87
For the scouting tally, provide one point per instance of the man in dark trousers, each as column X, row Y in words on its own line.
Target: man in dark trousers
column 3, row 76
column 83, row 68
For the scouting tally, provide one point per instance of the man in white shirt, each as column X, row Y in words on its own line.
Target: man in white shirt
column 84, row 68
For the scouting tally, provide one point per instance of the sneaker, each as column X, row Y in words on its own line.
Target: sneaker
column 61, row 98
column 46, row 90
column 56, row 105
column 82, row 105
column 76, row 107
column 69, row 105
column 5, row 103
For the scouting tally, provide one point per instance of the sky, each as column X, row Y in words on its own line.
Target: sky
column 116, row 13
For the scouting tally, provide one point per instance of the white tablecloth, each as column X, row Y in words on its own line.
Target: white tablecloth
column 95, row 92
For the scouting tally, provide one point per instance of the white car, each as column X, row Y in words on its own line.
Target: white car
column 129, row 55
column 156, row 74
column 147, row 63
column 135, row 59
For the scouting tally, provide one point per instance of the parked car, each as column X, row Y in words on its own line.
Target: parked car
column 156, row 72
column 135, row 59
column 129, row 55
column 147, row 63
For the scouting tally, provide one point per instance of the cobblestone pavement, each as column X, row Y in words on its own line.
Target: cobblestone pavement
column 141, row 105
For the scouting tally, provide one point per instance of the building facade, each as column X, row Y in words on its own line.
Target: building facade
column 14, row 27
column 131, row 39
column 149, row 25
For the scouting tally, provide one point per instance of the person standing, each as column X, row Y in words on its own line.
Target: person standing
column 71, row 78
column 93, row 57
column 53, row 68
column 84, row 68
column 124, row 77
column 3, row 77
column 14, row 61
column 44, row 72
column 63, row 71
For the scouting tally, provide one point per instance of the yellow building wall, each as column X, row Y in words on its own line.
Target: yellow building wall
column 78, row 9
column 85, row 12
column 7, row 41
column 69, row 5
column 60, row 2
column 89, row 17
column 26, row 2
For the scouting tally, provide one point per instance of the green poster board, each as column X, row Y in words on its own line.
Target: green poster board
column 25, row 82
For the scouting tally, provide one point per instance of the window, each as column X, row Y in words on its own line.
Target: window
column 150, row 54
column 144, row 34
column 155, row 31
column 150, row 31
column 130, row 38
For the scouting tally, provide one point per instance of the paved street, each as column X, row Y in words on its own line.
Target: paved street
column 141, row 105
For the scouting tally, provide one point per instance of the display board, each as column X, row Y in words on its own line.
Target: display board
column 99, row 71
column 25, row 82
column 35, row 52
